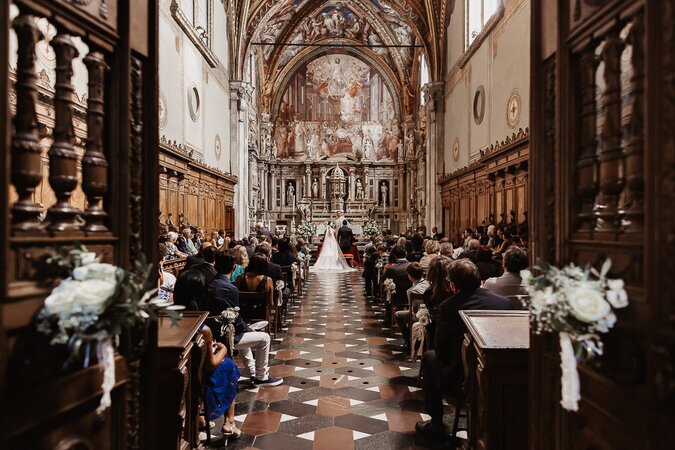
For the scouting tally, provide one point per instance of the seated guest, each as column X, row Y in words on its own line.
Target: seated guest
column 185, row 243
column 284, row 257
column 417, row 248
column 173, row 252
column 250, row 247
column 255, row 279
column 398, row 273
column 221, row 372
column 439, row 290
column 222, row 294
column 241, row 259
column 419, row 286
column 492, row 242
column 301, row 247
column 207, row 267
column 446, row 249
column 274, row 272
column 371, row 258
column 198, row 257
column 198, row 237
column 221, row 238
column 481, row 235
column 510, row 284
column 487, row 266
column 166, row 280
column 432, row 248
column 443, row 369
column 472, row 251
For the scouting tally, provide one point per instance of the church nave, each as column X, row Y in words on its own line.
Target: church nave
column 347, row 383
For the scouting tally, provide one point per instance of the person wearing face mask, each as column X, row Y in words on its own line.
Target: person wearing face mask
column 442, row 367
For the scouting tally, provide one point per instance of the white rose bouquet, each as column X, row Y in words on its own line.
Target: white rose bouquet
column 226, row 320
column 93, row 303
column 371, row 229
column 578, row 303
column 307, row 230
column 389, row 288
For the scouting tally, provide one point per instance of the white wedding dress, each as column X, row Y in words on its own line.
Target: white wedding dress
column 331, row 258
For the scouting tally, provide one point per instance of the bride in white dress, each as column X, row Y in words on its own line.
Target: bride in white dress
column 331, row 258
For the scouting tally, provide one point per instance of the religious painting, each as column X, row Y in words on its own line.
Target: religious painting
column 337, row 107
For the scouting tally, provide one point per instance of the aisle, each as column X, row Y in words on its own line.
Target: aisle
column 347, row 383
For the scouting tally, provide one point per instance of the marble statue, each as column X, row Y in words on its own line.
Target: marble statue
column 384, row 192
column 290, row 195
column 359, row 189
column 315, row 188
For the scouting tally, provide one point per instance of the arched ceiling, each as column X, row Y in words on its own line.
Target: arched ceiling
column 411, row 26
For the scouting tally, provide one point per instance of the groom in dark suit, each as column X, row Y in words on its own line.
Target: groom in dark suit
column 345, row 237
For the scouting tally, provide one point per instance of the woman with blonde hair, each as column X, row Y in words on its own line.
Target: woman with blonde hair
column 240, row 256
column 432, row 249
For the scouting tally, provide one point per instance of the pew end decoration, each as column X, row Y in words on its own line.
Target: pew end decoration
column 578, row 303
column 92, row 304
column 389, row 288
column 226, row 320
column 279, row 286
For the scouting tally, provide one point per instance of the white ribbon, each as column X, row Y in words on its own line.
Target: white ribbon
column 569, row 381
column 106, row 358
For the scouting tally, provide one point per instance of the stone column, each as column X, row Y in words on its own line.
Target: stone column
column 273, row 189
column 366, row 185
column 240, row 102
column 435, row 115
column 308, row 181
column 352, row 180
column 322, row 185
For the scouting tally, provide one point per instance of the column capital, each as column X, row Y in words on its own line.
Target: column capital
column 241, row 92
column 434, row 95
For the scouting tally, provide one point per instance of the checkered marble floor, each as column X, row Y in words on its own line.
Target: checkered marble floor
column 347, row 383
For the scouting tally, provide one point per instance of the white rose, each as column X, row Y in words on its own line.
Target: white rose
column 588, row 305
column 101, row 271
column 526, row 276
column 617, row 295
column 61, row 298
column 88, row 258
column 94, row 293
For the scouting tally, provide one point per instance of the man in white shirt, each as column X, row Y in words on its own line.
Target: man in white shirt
column 510, row 284
column 419, row 286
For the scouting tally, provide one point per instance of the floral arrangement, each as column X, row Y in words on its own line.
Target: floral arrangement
column 307, row 230
column 379, row 265
column 389, row 288
column 419, row 331
column 279, row 286
column 578, row 303
column 93, row 303
column 371, row 229
column 226, row 320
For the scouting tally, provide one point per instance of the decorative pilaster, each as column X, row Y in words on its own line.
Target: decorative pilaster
column 435, row 120
column 240, row 102
column 352, row 181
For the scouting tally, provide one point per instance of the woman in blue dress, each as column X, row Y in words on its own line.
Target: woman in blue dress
column 221, row 372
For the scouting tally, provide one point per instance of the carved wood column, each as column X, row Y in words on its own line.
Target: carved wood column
column 62, row 155
column 94, row 163
column 633, row 216
column 26, row 149
column 610, row 154
column 587, row 169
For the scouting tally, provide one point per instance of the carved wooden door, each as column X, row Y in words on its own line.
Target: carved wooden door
column 603, row 185
column 80, row 165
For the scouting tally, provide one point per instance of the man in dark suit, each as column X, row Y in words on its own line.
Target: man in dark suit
column 443, row 369
column 345, row 237
column 207, row 266
column 398, row 272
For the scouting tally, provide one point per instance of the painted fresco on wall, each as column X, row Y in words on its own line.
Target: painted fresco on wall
column 337, row 107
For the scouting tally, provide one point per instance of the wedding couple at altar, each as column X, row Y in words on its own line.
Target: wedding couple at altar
column 331, row 258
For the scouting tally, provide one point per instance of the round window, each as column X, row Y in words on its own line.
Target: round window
column 479, row 105
column 194, row 102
